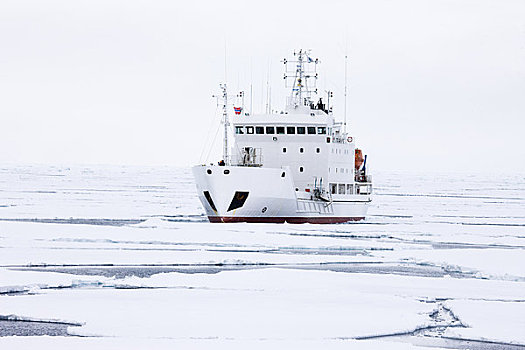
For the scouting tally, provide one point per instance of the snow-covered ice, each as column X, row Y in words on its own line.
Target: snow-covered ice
column 124, row 257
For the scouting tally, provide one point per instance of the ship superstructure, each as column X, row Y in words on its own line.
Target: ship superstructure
column 298, row 165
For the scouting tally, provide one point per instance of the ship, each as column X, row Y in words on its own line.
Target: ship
column 298, row 165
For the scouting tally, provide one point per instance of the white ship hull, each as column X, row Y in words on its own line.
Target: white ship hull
column 268, row 196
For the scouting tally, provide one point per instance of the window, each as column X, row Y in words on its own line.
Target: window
column 301, row 169
column 349, row 189
column 318, row 150
column 249, row 129
column 311, row 130
column 239, row 130
column 333, row 188
column 301, row 130
column 270, row 130
column 321, row 130
column 290, row 129
column 341, row 189
column 259, row 129
column 284, row 149
column 301, row 150
column 280, row 129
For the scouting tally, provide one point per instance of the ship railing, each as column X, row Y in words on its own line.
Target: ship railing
column 363, row 183
column 337, row 138
column 364, row 188
column 361, row 176
column 250, row 156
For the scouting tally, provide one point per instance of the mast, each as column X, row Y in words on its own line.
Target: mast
column 302, row 69
column 225, row 152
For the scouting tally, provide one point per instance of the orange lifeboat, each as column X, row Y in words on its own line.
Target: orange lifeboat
column 358, row 158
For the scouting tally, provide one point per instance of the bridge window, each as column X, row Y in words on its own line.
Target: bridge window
column 239, row 130
column 259, row 129
column 311, row 130
column 280, row 129
column 341, row 189
column 249, row 129
column 270, row 130
column 301, row 130
column 333, row 188
column 321, row 130
column 290, row 129
column 349, row 189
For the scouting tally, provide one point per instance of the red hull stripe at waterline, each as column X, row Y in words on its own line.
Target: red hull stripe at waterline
column 289, row 219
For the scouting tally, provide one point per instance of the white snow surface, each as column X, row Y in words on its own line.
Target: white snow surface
column 127, row 253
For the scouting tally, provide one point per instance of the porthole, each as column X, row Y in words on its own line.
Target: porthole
column 301, row 150
column 283, row 174
column 318, row 150
column 301, row 169
column 284, row 149
column 263, row 210
column 226, row 171
column 208, row 171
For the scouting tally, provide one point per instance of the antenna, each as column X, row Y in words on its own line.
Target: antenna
column 267, row 88
column 251, row 87
column 225, row 60
column 344, row 124
column 251, row 99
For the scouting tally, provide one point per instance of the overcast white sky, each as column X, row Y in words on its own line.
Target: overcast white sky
column 433, row 85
